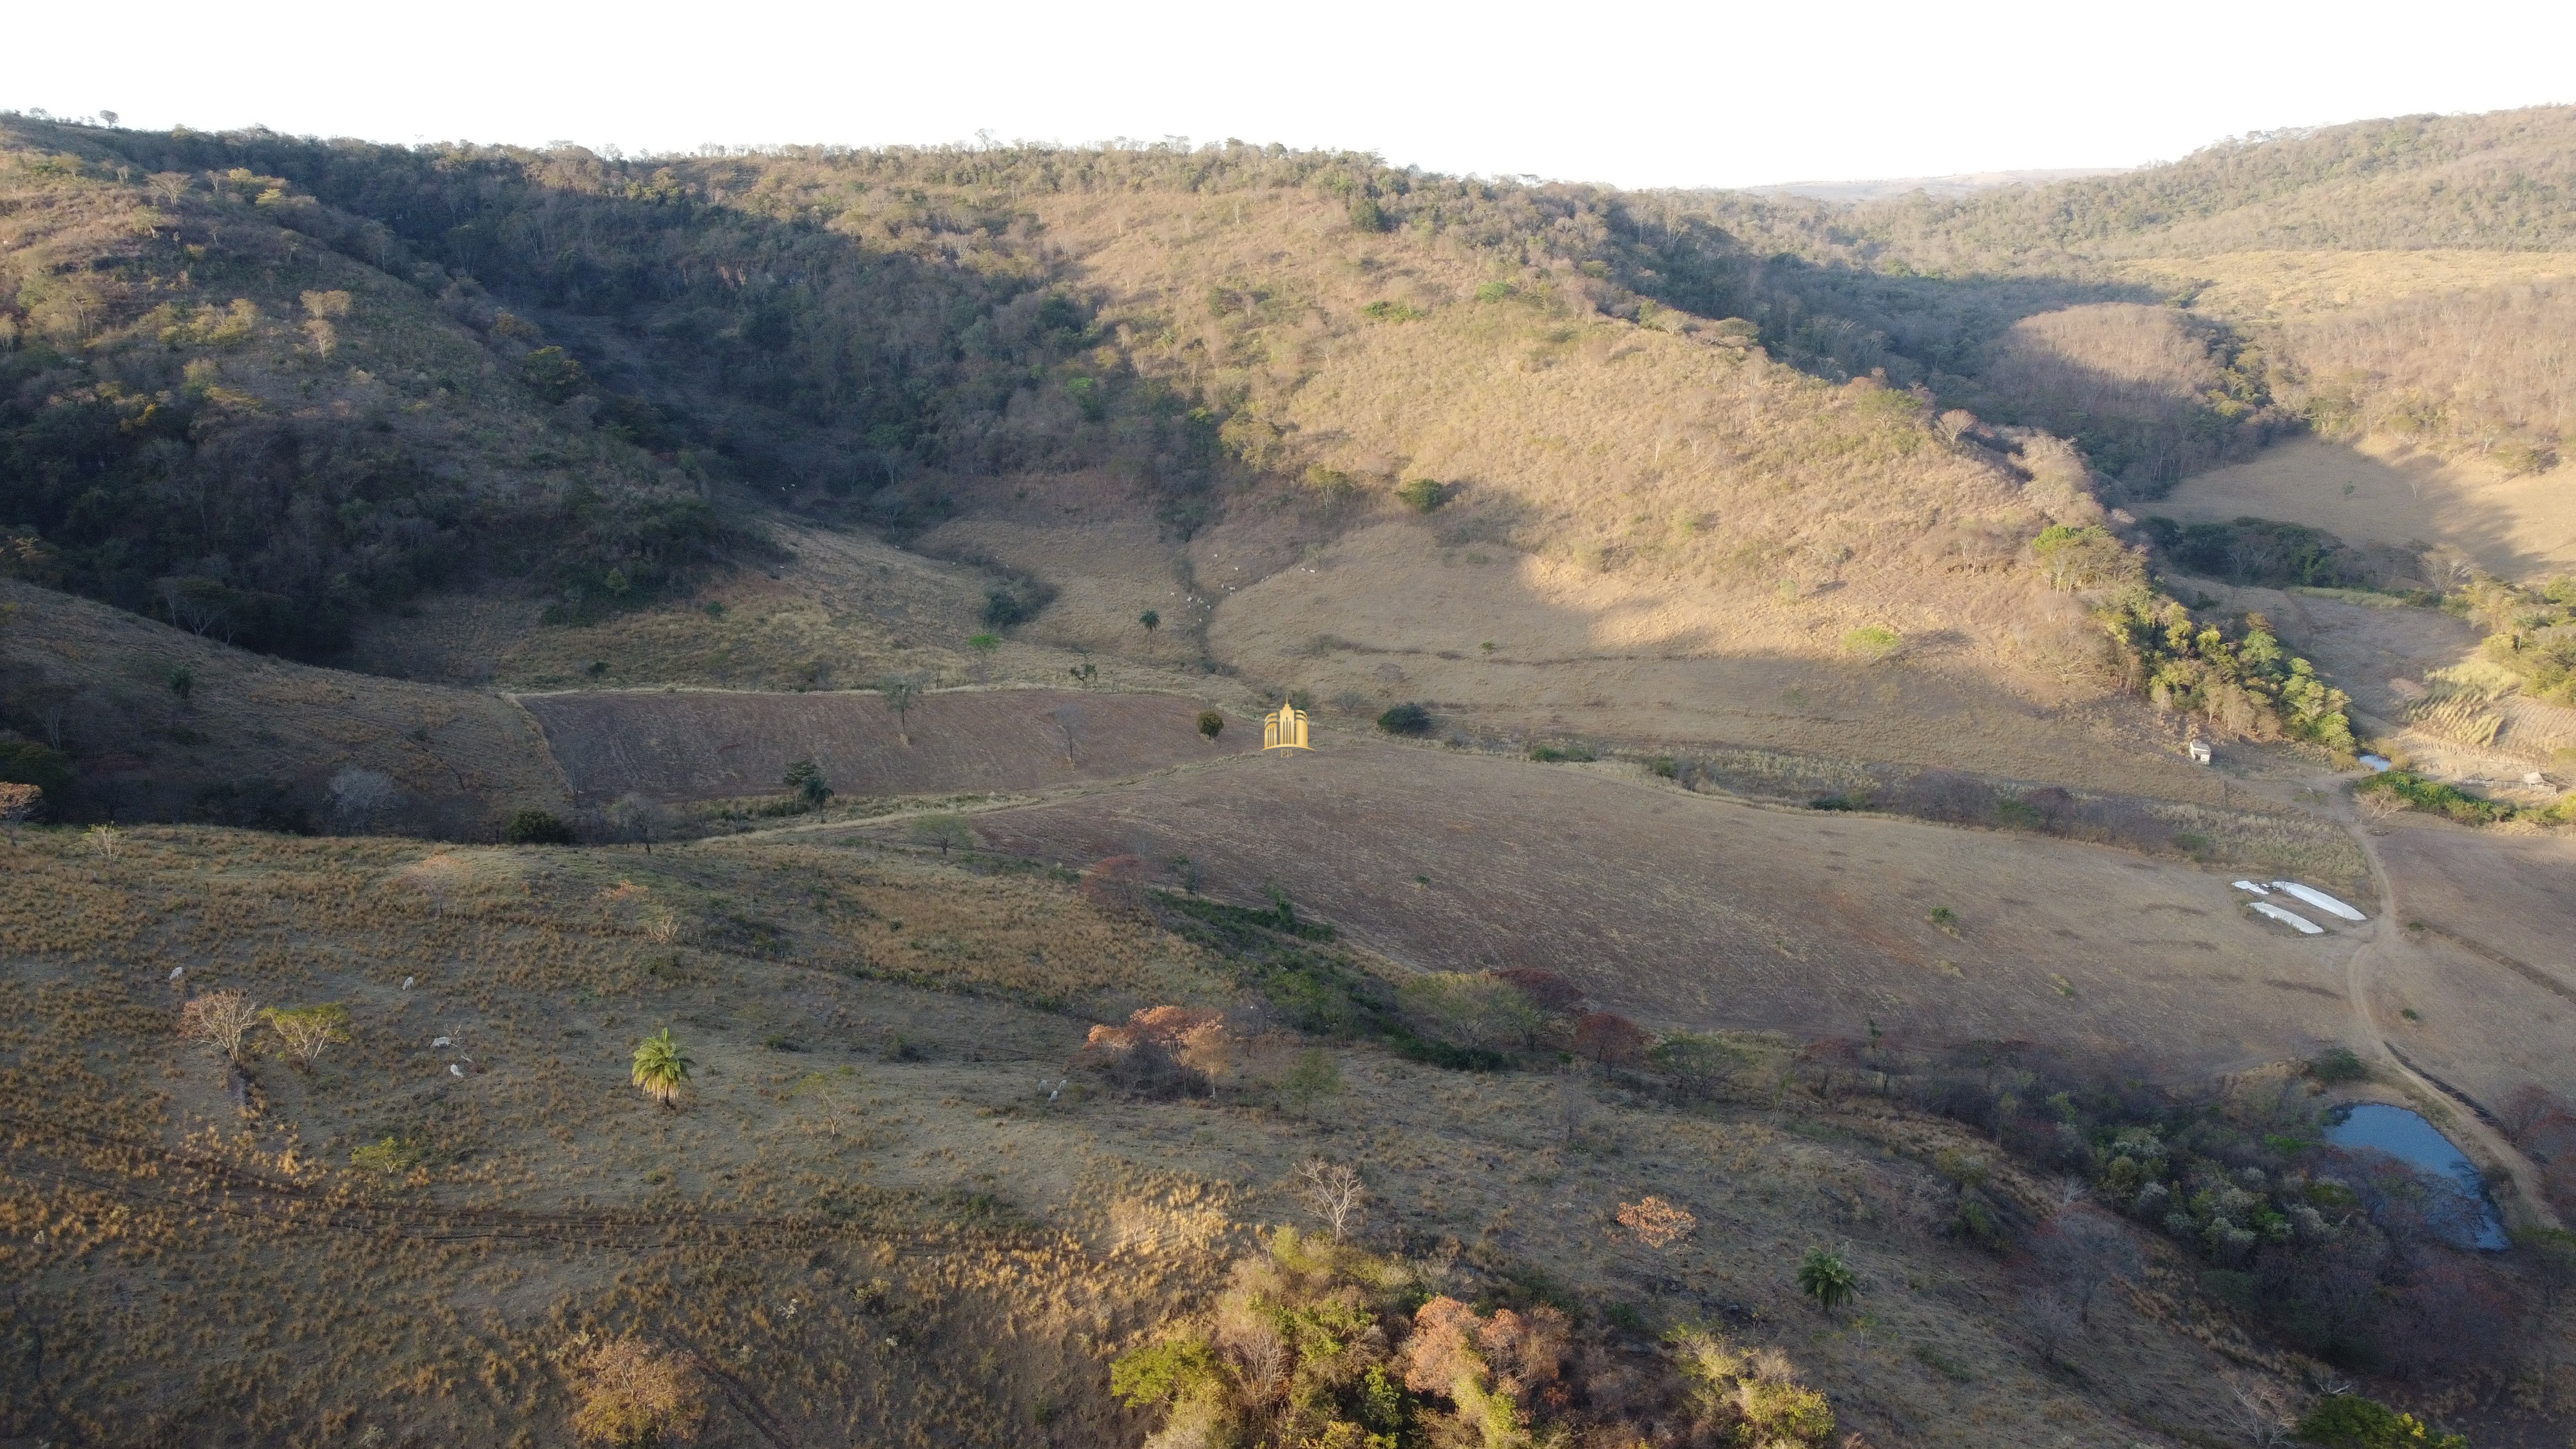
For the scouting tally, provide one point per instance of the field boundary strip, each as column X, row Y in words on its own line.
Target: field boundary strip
column 209, row 1185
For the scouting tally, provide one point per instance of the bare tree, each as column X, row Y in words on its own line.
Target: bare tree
column 2054, row 1318
column 1068, row 723
column 1333, row 1192
column 359, row 796
column 221, row 1019
column 306, row 1030
column 2078, row 1252
column 2265, row 1412
column 1572, row 1103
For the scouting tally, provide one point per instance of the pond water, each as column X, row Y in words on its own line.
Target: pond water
column 2375, row 1126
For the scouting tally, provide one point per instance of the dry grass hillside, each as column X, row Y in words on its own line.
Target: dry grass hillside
column 1696, row 914
column 164, row 724
column 882, row 1212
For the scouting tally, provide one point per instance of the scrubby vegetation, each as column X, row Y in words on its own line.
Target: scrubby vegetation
column 1316, row 1343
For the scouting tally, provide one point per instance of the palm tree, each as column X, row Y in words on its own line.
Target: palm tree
column 1826, row 1278
column 661, row 1068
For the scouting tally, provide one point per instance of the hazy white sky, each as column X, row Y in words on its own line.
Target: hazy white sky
column 1640, row 95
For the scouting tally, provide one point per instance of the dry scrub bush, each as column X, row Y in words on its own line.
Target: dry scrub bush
column 1657, row 1223
column 1166, row 1050
column 633, row 1393
column 1749, row 1397
column 1469, row 1009
column 221, row 1019
column 18, row 803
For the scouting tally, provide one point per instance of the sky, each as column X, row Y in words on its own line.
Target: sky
column 1713, row 94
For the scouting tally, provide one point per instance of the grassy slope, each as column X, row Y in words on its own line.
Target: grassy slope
column 876, row 1225
column 255, row 740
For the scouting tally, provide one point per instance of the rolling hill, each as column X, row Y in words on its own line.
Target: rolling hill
column 1784, row 980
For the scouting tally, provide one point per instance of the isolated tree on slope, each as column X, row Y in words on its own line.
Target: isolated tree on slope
column 661, row 1067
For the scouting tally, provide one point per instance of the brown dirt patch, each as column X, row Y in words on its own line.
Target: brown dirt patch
column 708, row 745
column 1689, row 911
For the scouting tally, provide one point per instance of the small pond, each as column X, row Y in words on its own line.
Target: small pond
column 2375, row 1126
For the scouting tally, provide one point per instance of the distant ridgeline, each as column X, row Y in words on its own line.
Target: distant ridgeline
column 260, row 385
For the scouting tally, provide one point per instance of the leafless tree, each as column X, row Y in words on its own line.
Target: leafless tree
column 2078, row 1252
column 359, row 796
column 1068, row 724
column 1333, row 1192
column 221, row 1019
column 2054, row 1317
column 2264, row 1411
column 1572, row 1104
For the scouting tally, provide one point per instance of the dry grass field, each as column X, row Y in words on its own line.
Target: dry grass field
column 2283, row 285
column 870, row 1222
column 2490, row 916
column 1691, row 912
column 2380, row 491
column 708, row 745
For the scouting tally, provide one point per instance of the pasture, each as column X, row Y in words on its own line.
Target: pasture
column 1688, row 911
column 708, row 745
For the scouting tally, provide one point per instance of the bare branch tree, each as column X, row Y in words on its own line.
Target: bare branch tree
column 221, row 1019
column 2264, row 1411
column 1332, row 1191
column 359, row 796
column 306, row 1030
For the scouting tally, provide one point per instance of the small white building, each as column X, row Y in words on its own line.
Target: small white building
column 2198, row 749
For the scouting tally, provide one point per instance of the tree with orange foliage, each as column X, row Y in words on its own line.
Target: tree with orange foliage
column 1610, row 1039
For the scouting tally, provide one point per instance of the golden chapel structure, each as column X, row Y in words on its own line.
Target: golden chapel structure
column 1284, row 728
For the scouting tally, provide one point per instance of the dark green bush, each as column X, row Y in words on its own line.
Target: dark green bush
column 538, row 827
column 24, row 762
column 1406, row 719
column 2337, row 1064
column 2436, row 798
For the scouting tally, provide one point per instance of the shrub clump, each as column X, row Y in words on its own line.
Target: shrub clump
column 1319, row 1343
column 1406, row 719
column 538, row 827
column 2433, row 797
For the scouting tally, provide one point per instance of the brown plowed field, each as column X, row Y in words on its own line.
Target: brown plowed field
column 1687, row 911
column 709, row 745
